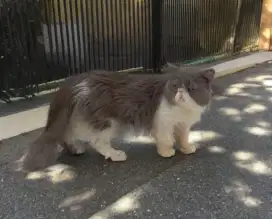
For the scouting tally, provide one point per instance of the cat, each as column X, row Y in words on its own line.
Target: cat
column 98, row 106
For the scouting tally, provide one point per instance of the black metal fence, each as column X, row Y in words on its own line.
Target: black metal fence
column 194, row 29
column 46, row 40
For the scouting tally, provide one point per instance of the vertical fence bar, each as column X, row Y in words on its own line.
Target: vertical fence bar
column 26, row 48
column 122, row 32
column 150, row 37
column 126, row 31
column 104, row 32
column 54, row 11
column 236, row 25
column 134, row 33
column 186, row 34
column 72, row 20
column 66, row 18
column 179, row 31
column 108, row 17
column 145, row 33
column 117, row 35
column 156, row 34
column 88, row 29
column 79, row 35
column 142, row 24
column 94, row 35
column 138, row 33
column 4, row 49
column 114, row 41
column 61, row 31
column 98, row 31
column 49, row 30
column 131, row 33
column 84, row 40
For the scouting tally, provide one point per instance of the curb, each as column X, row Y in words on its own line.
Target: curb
column 240, row 64
column 226, row 72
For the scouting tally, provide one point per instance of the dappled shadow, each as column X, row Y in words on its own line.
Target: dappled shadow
column 229, row 176
column 80, row 185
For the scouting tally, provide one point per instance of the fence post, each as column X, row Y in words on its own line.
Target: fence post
column 237, row 26
column 156, row 35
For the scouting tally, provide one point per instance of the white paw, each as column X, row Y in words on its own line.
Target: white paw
column 170, row 152
column 77, row 149
column 118, row 155
column 190, row 149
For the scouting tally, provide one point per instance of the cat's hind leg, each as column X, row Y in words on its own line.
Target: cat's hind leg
column 104, row 148
column 70, row 142
column 102, row 144
column 99, row 134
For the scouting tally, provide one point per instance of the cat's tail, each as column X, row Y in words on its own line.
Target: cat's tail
column 46, row 149
column 59, row 105
column 43, row 152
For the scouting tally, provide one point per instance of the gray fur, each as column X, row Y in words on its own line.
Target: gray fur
column 100, row 96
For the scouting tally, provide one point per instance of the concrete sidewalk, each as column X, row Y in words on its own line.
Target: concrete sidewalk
column 230, row 176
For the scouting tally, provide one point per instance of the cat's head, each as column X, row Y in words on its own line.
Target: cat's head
column 192, row 70
column 193, row 89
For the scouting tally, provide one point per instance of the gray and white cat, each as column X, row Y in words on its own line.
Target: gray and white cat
column 96, row 107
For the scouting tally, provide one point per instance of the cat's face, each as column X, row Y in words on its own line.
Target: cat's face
column 196, row 87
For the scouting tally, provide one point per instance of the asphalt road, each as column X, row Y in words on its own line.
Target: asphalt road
column 230, row 176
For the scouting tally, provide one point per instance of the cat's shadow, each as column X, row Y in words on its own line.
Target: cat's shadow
column 97, row 182
column 141, row 153
column 137, row 152
column 111, row 180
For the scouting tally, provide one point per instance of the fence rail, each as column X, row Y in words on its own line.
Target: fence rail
column 46, row 40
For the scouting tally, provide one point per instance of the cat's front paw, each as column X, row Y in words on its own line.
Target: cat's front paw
column 76, row 149
column 189, row 149
column 79, row 150
column 169, row 152
column 118, row 155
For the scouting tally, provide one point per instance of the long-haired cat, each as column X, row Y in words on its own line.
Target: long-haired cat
column 96, row 107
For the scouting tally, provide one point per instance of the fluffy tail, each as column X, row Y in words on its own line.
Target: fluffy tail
column 45, row 151
column 41, row 153
column 59, row 104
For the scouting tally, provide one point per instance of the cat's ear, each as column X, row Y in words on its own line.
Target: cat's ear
column 208, row 74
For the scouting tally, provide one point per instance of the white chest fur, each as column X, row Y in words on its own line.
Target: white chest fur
column 186, row 113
